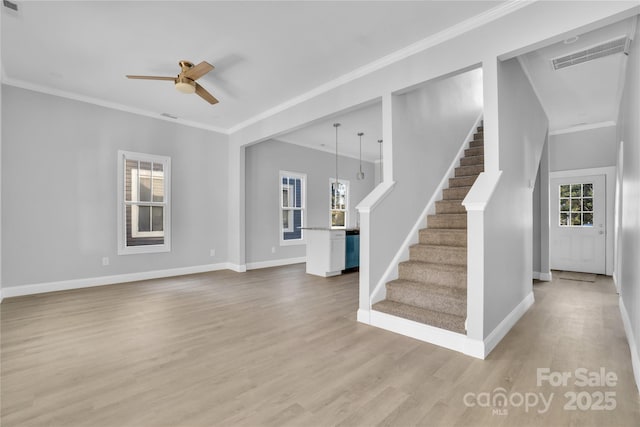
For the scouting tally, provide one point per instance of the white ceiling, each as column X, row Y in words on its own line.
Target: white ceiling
column 265, row 52
column 321, row 135
column 585, row 94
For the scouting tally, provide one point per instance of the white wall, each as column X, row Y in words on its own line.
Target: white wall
column 585, row 149
column 629, row 232
column 263, row 163
column 541, row 269
column 508, row 217
column 59, row 189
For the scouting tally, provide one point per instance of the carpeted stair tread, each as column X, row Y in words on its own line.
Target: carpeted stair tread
column 455, row 193
column 469, row 170
column 441, row 254
column 443, row 236
column 475, row 151
column 429, row 317
column 428, row 272
column 472, row 160
column 446, row 299
column 447, row 221
column 476, row 143
column 450, row 206
column 462, row 181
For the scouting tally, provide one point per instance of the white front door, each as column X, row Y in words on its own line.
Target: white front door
column 577, row 224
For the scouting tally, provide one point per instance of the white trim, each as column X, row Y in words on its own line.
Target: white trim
column 580, row 128
column 610, row 189
column 302, row 208
column 275, row 263
column 391, row 272
column 545, row 277
column 364, row 316
column 64, row 285
column 440, row 337
column 123, row 249
column 449, row 33
column 347, row 196
column 376, row 196
column 633, row 346
column 108, row 104
column 238, row 268
column 492, row 340
column 1, row 296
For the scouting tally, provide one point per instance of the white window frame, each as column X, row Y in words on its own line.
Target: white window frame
column 303, row 191
column 346, row 183
column 123, row 249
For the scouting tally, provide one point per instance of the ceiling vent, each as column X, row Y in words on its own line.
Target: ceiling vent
column 10, row 5
column 619, row 45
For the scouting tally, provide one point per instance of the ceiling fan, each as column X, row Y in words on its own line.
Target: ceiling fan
column 185, row 82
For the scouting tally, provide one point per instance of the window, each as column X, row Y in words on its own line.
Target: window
column 292, row 207
column 576, row 205
column 339, row 207
column 143, row 200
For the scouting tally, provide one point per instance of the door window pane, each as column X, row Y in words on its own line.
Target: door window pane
column 577, row 199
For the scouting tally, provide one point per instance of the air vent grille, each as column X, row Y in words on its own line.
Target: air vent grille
column 605, row 49
column 10, row 5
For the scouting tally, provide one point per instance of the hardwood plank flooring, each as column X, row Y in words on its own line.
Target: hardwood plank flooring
column 277, row 347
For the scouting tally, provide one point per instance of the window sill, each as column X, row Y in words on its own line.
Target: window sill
column 149, row 249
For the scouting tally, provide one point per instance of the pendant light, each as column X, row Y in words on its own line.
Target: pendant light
column 336, row 125
column 380, row 144
column 360, row 174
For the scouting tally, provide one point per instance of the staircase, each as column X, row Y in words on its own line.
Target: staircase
column 432, row 286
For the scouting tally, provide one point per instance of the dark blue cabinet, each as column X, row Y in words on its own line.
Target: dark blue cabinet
column 352, row 249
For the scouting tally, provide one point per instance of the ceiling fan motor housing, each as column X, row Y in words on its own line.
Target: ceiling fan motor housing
column 185, row 85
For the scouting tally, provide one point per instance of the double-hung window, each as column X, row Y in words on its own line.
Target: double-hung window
column 339, row 207
column 144, row 203
column 292, row 207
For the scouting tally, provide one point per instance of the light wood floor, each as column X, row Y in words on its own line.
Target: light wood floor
column 278, row 347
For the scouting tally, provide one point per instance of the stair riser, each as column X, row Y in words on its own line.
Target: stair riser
column 444, row 206
column 427, row 275
column 478, row 135
column 472, row 161
column 442, row 237
column 439, row 255
column 463, row 181
column 476, row 143
column 452, row 323
column 447, row 221
column 455, row 193
column 476, row 151
column 429, row 301
column 469, row 170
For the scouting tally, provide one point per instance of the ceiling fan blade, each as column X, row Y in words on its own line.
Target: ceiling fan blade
column 205, row 95
column 151, row 78
column 198, row 71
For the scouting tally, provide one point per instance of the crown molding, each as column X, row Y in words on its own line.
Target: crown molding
column 581, row 128
column 107, row 104
column 449, row 33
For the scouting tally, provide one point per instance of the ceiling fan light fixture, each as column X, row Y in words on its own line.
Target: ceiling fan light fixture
column 184, row 85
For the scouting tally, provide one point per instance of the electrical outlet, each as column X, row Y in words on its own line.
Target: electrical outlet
column 105, row 261
column 273, row 249
column 212, row 252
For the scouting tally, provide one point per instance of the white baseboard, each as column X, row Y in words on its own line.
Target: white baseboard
column 1, row 296
column 275, row 263
column 238, row 268
column 545, row 277
column 633, row 345
column 440, row 337
column 64, row 285
column 364, row 316
column 507, row 323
